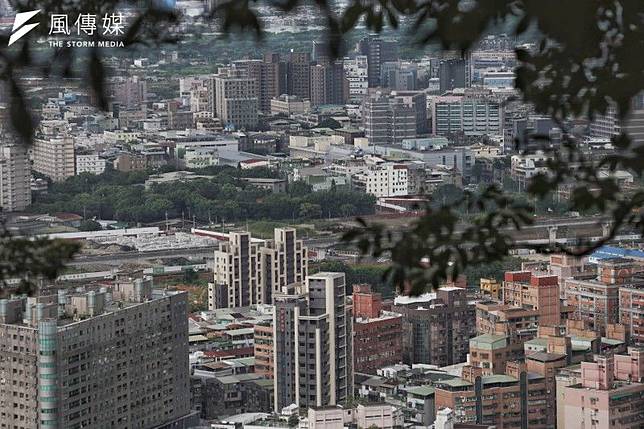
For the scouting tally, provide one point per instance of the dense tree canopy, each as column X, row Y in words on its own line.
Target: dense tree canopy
column 225, row 196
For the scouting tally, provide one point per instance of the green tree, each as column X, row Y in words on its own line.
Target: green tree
column 90, row 225
column 27, row 261
column 310, row 211
column 446, row 194
column 299, row 188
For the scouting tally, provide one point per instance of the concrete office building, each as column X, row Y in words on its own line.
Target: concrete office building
column 377, row 117
column 249, row 271
column 399, row 76
column 113, row 357
column 417, row 100
column 388, row 119
column 382, row 416
column 437, row 326
column 15, row 177
column 54, row 157
column 312, row 344
column 236, row 99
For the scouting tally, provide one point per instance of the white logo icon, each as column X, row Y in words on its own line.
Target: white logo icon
column 21, row 18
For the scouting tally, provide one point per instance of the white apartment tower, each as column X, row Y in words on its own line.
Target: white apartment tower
column 15, row 176
column 312, row 334
column 248, row 271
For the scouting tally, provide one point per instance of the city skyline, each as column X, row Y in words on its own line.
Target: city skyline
column 364, row 217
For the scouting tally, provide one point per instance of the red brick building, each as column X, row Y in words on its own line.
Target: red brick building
column 377, row 340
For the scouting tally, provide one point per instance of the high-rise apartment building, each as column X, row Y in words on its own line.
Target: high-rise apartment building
column 437, row 326
column 15, row 176
column 236, row 99
column 452, row 74
column 506, row 320
column 312, row 344
column 110, row 357
column 269, row 74
column 284, row 262
column 298, row 74
column 249, row 271
column 237, row 275
column 377, row 340
column 328, row 84
column 128, row 92
column 54, row 156
column 378, row 51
